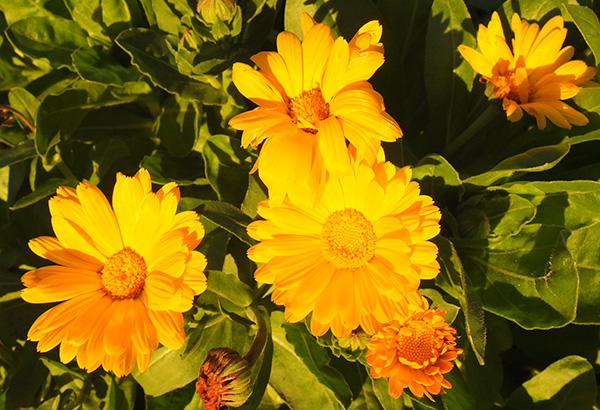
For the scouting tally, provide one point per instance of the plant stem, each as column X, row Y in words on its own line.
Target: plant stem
column 260, row 339
column 66, row 171
column 475, row 128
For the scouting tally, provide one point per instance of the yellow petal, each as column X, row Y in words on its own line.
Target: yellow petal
column 316, row 48
column 50, row 248
column 290, row 48
column 332, row 145
column 334, row 76
column 254, row 86
column 58, row 283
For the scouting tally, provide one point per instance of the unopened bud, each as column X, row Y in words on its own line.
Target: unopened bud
column 213, row 11
column 225, row 379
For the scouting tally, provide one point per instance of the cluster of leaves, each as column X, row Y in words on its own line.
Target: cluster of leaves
column 100, row 86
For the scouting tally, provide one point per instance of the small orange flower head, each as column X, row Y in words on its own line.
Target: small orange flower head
column 415, row 352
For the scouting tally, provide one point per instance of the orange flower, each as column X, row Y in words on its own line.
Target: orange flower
column 311, row 97
column 536, row 75
column 124, row 275
column 415, row 352
column 357, row 257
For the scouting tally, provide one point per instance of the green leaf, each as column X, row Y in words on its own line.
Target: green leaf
column 485, row 382
column 229, row 287
column 50, row 38
column 176, row 399
column 21, row 152
column 494, row 214
column 229, row 218
column 167, row 19
column 23, row 101
column 454, row 280
column 448, row 76
column 184, row 171
column 587, row 22
column 178, row 125
column 225, row 167
column 88, row 15
column 300, row 371
column 117, row 15
column 530, row 278
column 567, row 204
column 57, row 118
column 150, row 54
column 567, row 384
column 42, row 191
column 588, row 100
column 439, row 180
column 93, row 64
column 534, row 160
column 366, row 399
column 583, row 243
column 438, row 302
column 532, row 10
column 458, row 397
column 380, row 388
column 256, row 193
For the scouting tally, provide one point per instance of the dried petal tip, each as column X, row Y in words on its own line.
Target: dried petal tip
column 225, row 379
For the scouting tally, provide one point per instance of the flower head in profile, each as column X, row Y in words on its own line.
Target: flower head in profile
column 312, row 96
column 535, row 75
column 357, row 257
column 225, row 379
column 124, row 274
column 415, row 352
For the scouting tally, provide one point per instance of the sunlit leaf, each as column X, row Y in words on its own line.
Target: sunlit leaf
column 567, row 384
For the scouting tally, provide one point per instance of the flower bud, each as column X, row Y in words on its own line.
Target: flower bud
column 213, row 11
column 225, row 379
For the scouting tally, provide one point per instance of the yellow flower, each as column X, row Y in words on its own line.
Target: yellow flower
column 125, row 273
column 311, row 97
column 535, row 75
column 357, row 257
column 415, row 352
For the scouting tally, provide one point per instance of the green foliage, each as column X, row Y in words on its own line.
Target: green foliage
column 96, row 87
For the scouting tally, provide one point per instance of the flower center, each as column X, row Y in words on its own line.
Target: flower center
column 124, row 274
column 415, row 345
column 308, row 109
column 505, row 86
column 348, row 238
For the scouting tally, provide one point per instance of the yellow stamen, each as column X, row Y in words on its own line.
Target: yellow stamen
column 124, row 274
column 415, row 345
column 308, row 109
column 348, row 238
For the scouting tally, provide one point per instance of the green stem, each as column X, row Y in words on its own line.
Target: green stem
column 260, row 339
column 66, row 171
column 475, row 128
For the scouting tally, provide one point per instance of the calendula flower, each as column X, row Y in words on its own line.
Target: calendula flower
column 311, row 97
column 124, row 274
column 415, row 352
column 535, row 75
column 225, row 379
column 357, row 257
